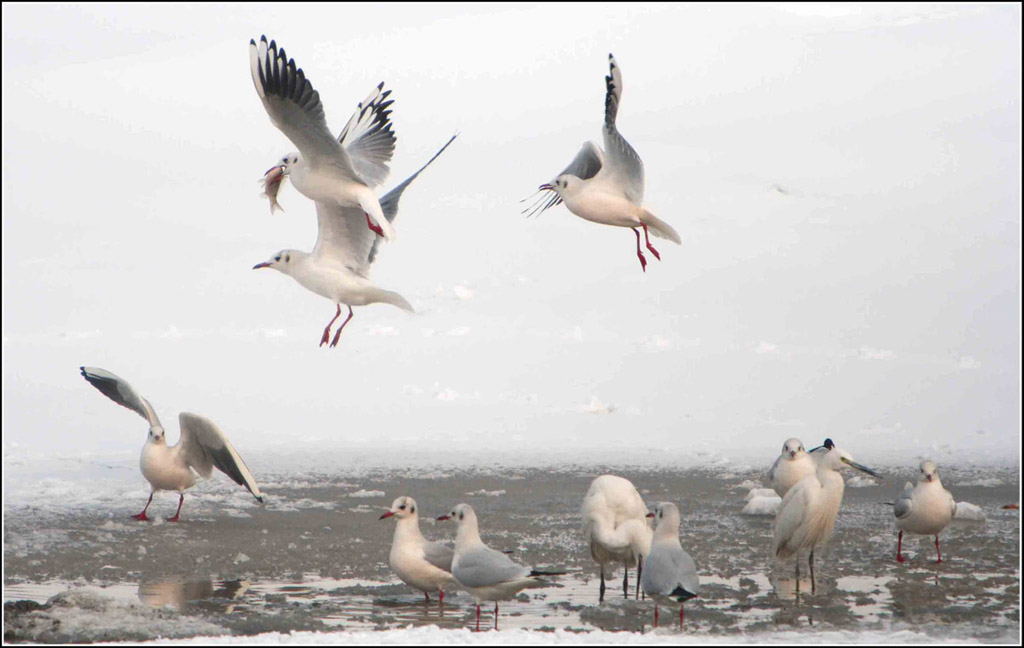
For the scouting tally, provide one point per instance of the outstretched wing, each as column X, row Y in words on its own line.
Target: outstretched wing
column 122, row 393
column 369, row 139
column 622, row 162
column 587, row 162
column 293, row 105
column 206, row 447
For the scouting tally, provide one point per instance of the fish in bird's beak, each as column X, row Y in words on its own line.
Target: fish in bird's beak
column 441, row 518
column 272, row 180
column 261, row 265
column 386, row 515
column 853, row 464
column 546, row 187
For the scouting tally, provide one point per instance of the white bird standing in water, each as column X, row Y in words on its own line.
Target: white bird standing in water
column 924, row 509
column 615, row 527
column 608, row 187
column 487, row 574
column 420, row 563
column 670, row 575
column 338, row 171
column 201, row 446
column 793, row 464
column 808, row 512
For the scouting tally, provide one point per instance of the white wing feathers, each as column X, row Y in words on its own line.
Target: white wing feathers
column 122, row 393
column 205, row 447
column 621, row 160
column 368, row 137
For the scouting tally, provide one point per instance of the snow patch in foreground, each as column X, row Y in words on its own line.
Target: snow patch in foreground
column 968, row 511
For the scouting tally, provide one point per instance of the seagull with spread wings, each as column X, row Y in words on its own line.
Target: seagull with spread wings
column 201, row 447
column 341, row 171
column 607, row 187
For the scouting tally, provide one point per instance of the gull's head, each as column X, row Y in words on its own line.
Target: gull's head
column 551, row 194
column 664, row 512
column 283, row 261
column 929, row 471
column 283, row 166
column 156, row 433
column 792, row 447
column 402, row 508
column 461, row 513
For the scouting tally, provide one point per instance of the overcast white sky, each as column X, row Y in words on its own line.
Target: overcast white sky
column 846, row 181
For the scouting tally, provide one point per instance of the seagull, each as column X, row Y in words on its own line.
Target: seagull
column 487, row 574
column 808, row 512
column 671, row 575
column 615, row 527
column 200, row 448
column 338, row 268
column 423, row 564
column 792, row 465
column 924, row 509
column 340, row 171
column 607, row 187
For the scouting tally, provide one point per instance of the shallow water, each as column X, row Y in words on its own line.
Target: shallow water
column 314, row 558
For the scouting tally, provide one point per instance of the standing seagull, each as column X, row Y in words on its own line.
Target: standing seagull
column 487, row 574
column 423, row 564
column 615, row 527
column 671, row 575
column 792, row 465
column 201, row 446
column 808, row 512
column 924, row 509
column 338, row 268
column 340, row 171
column 608, row 187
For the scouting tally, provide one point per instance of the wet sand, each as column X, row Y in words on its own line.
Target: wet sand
column 315, row 558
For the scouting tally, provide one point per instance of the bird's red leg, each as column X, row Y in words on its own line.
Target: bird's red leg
column 639, row 254
column 937, row 550
column 441, row 594
column 899, row 549
column 337, row 335
column 495, row 615
column 650, row 247
column 680, row 616
column 327, row 331
column 142, row 516
column 655, row 615
column 426, row 596
column 376, row 228
column 478, row 617
column 181, row 500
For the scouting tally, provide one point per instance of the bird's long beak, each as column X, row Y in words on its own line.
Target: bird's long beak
column 650, row 515
column 854, row 464
column 386, row 515
column 261, row 265
column 441, row 518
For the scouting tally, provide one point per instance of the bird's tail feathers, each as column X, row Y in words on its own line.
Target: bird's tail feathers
column 659, row 228
column 393, row 298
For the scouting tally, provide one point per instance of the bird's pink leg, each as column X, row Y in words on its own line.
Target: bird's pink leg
column 337, row 335
column 899, row 549
column 427, row 597
column 680, row 616
column 639, row 254
column 376, row 228
column 478, row 617
column 181, row 500
column 495, row 615
column 142, row 516
column 655, row 615
column 441, row 594
column 327, row 331
column 650, row 247
column 937, row 550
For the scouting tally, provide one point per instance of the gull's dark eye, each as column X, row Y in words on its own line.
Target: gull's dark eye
column 412, row 509
column 287, row 258
column 402, row 507
column 460, row 516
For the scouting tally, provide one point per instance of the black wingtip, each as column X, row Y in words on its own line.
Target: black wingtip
column 682, row 594
column 252, row 41
column 380, row 86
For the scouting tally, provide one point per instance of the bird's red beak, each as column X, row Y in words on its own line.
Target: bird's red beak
column 650, row 515
column 386, row 515
column 261, row 265
column 443, row 517
column 792, row 454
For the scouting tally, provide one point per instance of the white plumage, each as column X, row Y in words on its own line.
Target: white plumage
column 615, row 526
column 924, row 509
column 792, row 465
column 670, row 574
column 420, row 563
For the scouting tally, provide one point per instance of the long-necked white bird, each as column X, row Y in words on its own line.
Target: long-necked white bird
column 339, row 171
column 419, row 562
column 487, row 574
column 201, row 447
column 338, row 268
column 670, row 575
column 793, row 464
column 615, row 527
column 808, row 512
column 924, row 509
column 607, row 187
